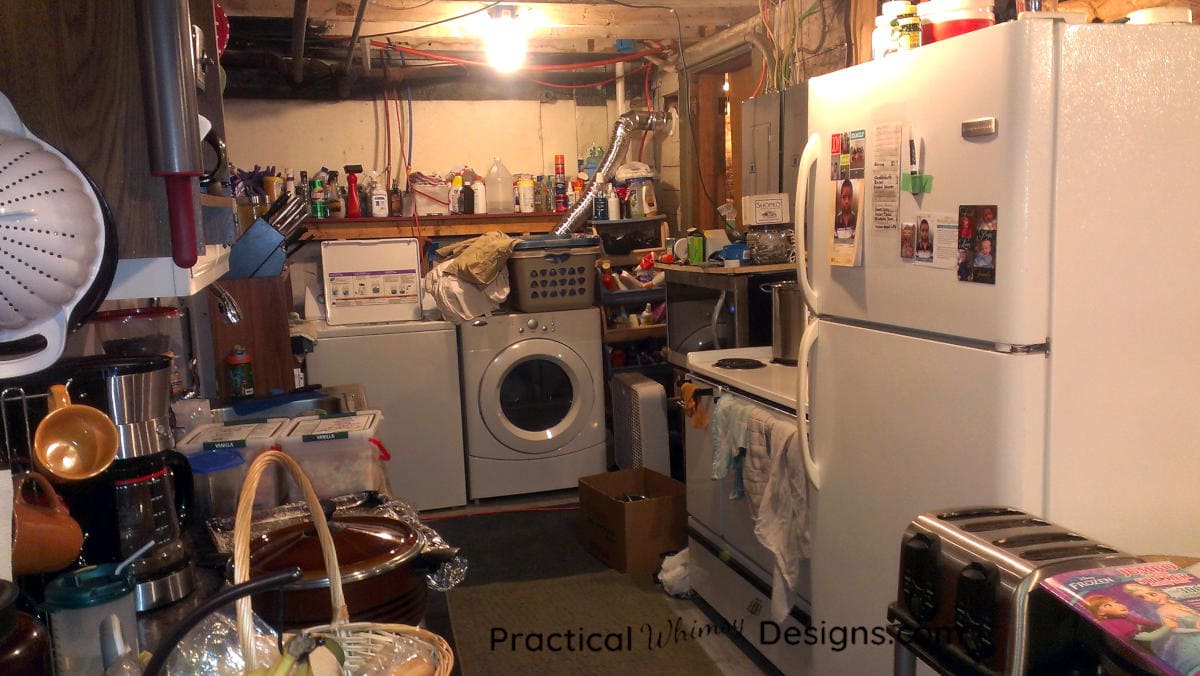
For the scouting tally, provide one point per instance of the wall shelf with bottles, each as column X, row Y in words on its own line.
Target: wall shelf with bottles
column 454, row 225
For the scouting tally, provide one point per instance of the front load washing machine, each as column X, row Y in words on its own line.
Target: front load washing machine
column 533, row 401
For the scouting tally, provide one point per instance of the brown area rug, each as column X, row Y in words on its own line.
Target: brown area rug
column 600, row 623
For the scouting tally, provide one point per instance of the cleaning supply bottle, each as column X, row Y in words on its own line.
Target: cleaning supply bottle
column 647, row 317
column 317, row 208
column 455, row 196
column 467, row 200
column 395, row 199
column 600, row 204
column 499, row 186
column 379, row 198
column 353, row 205
column 607, row 280
column 239, row 368
column 333, row 197
column 614, row 202
column 481, row 205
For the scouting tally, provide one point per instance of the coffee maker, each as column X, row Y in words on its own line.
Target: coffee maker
column 145, row 495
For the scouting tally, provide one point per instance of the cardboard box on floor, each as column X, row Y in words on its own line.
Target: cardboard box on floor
column 631, row 535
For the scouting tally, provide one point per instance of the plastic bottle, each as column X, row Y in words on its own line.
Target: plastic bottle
column 379, row 197
column 647, row 317
column 317, row 208
column 481, row 206
column 614, row 203
column 455, row 195
column 499, row 188
column 395, row 199
column 600, row 204
column 333, row 197
column 239, row 367
column 607, row 280
column 649, row 200
column 467, row 198
column 527, row 193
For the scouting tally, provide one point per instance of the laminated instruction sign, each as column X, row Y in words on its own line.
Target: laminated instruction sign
column 372, row 280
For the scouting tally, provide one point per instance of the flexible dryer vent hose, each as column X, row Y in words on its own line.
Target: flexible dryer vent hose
column 626, row 125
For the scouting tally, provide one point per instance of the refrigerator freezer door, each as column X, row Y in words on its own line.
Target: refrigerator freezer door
column 902, row 425
column 1125, row 378
column 1003, row 72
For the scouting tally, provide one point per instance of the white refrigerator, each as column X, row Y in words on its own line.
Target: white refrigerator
column 1062, row 379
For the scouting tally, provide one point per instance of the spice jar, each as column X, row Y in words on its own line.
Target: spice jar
column 908, row 32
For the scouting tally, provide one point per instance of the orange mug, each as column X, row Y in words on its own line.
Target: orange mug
column 73, row 441
column 45, row 537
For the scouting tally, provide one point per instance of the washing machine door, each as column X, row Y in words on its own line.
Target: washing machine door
column 535, row 396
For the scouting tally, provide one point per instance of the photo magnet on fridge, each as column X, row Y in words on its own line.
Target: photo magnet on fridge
column 977, row 230
column 908, row 240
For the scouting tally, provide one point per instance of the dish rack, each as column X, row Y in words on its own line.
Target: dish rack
column 14, row 410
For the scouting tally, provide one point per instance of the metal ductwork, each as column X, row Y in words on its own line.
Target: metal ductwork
column 626, row 125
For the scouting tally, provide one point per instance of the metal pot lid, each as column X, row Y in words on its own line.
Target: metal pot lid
column 366, row 546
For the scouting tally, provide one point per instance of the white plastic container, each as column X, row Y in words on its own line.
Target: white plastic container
column 945, row 19
column 249, row 438
column 338, row 453
column 499, row 189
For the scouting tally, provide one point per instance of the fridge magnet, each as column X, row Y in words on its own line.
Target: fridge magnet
column 857, row 153
column 845, row 231
column 924, row 241
column 977, row 231
column 908, row 241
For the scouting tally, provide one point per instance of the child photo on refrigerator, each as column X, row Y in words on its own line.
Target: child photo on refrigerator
column 845, row 221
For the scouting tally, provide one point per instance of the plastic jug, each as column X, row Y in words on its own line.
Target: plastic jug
column 499, row 189
column 77, row 602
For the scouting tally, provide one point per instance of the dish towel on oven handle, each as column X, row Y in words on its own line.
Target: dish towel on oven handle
column 777, row 488
column 730, row 425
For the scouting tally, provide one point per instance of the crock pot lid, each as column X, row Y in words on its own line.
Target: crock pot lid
column 366, row 546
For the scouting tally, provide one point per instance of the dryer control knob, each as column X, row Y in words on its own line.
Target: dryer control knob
column 545, row 329
column 520, row 329
column 531, row 323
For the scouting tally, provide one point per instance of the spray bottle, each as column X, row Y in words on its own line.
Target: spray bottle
column 379, row 198
column 353, row 207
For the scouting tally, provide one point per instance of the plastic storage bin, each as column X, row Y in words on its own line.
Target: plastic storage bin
column 338, row 452
column 553, row 273
column 944, row 19
column 217, row 479
column 248, row 438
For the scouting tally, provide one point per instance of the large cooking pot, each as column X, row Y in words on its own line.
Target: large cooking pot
column 382, row 563
column 787, row 321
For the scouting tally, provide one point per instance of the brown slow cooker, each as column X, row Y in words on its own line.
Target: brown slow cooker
column 382, row 568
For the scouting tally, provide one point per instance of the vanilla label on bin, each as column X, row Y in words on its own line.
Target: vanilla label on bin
column 236, row 435
column 326, row 429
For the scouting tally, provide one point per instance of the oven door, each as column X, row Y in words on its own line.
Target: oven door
column 535, row 396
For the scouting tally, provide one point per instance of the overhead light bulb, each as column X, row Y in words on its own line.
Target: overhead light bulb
column 504, row 40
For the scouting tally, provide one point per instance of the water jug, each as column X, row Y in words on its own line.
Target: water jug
column 498, row 189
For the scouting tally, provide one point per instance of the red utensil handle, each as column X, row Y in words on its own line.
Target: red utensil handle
column 181, row 210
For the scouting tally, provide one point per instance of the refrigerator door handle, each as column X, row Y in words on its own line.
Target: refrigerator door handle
column 802, row 401
column 808, row 160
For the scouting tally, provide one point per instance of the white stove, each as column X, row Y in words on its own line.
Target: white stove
column 775, row 383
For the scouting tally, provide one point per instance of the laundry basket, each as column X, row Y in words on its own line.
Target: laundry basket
column 361, row 641
column 553, row 273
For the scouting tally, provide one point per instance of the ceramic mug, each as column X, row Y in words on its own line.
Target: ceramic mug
column 73, row 441
column 45, row 537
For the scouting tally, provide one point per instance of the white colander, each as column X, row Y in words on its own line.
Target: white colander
column 51, row 244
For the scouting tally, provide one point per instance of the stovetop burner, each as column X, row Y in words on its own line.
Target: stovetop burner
column 738, row 363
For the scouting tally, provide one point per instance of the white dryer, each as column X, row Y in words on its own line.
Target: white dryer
column 533, row 401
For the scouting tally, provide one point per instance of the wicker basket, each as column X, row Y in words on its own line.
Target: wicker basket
column 361, row 641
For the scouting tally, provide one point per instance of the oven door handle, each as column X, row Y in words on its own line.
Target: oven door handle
column 802, row 401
